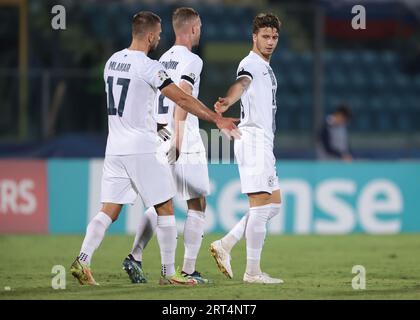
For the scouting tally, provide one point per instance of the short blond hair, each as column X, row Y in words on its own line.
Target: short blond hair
column 182, row 16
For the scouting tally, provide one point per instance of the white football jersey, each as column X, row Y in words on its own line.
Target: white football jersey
column 181, row 65
column 132, row 81
column 258, row 102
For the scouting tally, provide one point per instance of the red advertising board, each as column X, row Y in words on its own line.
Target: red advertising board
column 23, row 196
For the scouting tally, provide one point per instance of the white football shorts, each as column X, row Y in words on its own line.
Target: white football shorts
column 256, row 164
column 126, row 176
column 191, row 175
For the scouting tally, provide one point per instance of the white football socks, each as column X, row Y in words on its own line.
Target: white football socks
column 193, row 235
column 95, row 233
column 235, row 234
column 255, row 232
column 145, row 232
column 167, row 238
column 274, row 210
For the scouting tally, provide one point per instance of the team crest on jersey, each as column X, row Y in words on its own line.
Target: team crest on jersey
column 162, row 75
column 271, row 181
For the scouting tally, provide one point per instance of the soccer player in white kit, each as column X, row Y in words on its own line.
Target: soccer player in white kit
column 256, row 87
column 190, row 170
column 131, row 165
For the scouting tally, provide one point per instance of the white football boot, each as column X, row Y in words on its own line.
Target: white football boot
column 261, row 278
column 222, row 258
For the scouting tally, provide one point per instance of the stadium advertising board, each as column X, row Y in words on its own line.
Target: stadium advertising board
column 331, row 198
column 23, row 197
column 318, row 198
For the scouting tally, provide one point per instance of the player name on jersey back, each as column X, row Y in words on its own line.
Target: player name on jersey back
column 118, row 66
column 181, row 65
column 170, row 64
column 132, row 81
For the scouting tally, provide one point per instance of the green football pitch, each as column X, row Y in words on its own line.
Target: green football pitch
column 313, row 267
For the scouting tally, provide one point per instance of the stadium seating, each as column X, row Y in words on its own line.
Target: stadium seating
column 382, row 96
column 373, row 83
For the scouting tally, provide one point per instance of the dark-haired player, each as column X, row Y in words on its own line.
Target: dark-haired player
column 256, row 87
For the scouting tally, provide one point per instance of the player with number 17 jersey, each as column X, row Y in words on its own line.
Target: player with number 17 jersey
column 131, row 128
column 129, row 75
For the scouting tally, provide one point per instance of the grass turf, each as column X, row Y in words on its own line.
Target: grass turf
column 313, row 267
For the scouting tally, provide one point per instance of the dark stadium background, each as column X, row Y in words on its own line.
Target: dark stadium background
column 320, row 62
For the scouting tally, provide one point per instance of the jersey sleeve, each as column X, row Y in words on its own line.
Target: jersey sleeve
column 192, row 72
column 161, row 109
column 245, row 70
column 155, row 75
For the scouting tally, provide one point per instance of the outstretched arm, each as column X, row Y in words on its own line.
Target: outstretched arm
column 196, row 107
column 234, row 93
